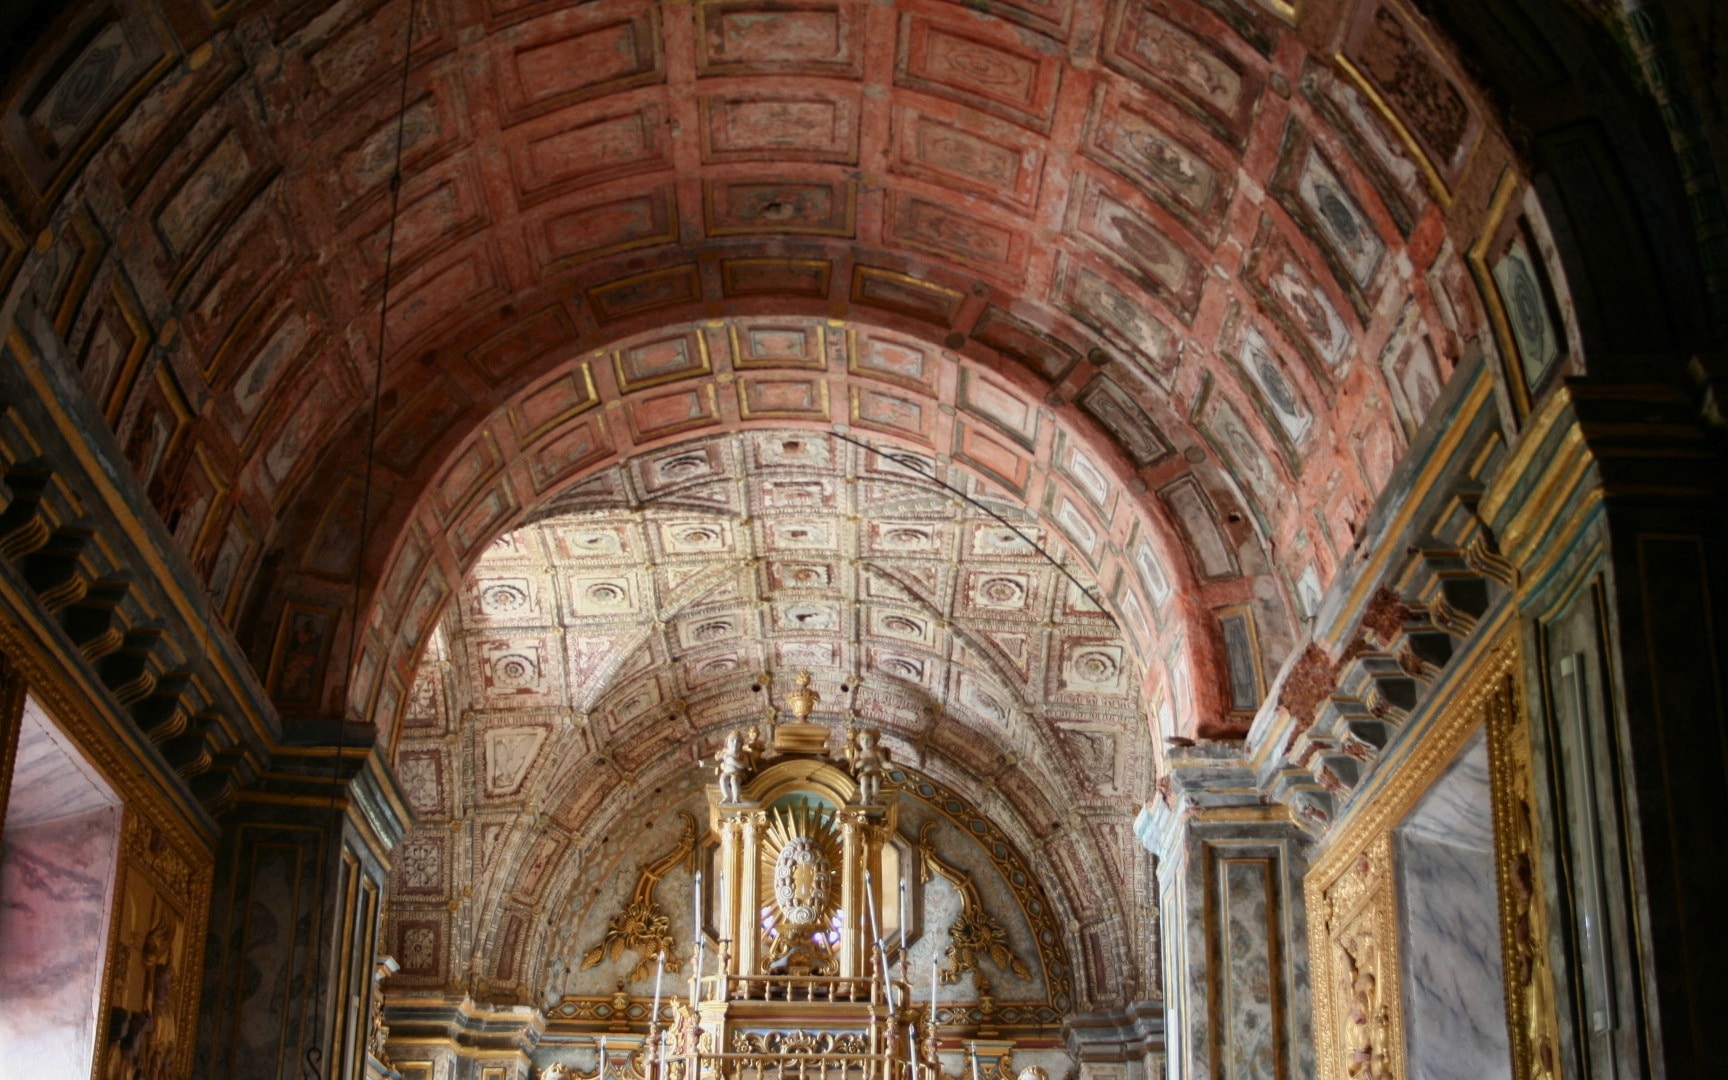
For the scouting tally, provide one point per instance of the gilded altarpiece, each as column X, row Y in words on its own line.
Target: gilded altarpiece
column 155, row 955
column 1352, row 891
column 154, row 964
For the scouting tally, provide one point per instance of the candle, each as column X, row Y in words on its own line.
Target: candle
column 903, row 933
column 974, row 1061
column 932, row 991
column 696, row 938
column 601, row 1072
column 696, row 977
column 659, row 970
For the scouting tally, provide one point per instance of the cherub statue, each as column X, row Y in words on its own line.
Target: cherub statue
column 755, row 743
column 765, row 726
column 734, row 761
column 869, row 761
column 557, row 1071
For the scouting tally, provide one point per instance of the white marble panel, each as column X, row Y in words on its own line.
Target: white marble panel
column 56, row 884
column 56, row 888
column 1457, row 810
column 1455, row 1012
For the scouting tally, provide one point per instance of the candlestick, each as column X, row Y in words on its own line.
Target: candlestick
column 696, row 976
column 881, row 956
column 654, row 1014
column 696, row 936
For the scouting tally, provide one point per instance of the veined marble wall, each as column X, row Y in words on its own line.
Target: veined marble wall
column 56, row 890
column 1454, row 996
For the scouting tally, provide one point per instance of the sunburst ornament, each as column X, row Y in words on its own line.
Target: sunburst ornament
column 801, row 855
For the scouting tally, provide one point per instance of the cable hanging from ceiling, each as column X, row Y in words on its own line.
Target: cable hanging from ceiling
column 314, row 1054
column 919, row 469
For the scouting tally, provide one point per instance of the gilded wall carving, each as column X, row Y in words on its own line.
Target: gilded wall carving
column 1352, row 890
column 152, row 962
column 1357, row 1021
column 1530, row 1014
column 641, row 925
column 975, row 934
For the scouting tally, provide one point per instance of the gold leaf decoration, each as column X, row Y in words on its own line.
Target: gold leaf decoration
column 975, row 932
column 641, row 925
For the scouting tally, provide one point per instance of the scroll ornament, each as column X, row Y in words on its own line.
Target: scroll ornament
column 1003, row 1069
column 1365, row 1017
column 641, row 926
column 974, row 933
column 1524, row 926
column 780, row 1043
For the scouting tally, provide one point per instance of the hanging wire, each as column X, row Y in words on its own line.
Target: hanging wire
column 918, row 468
column 314, row 1057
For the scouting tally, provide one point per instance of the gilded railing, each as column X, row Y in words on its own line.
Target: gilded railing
column 791, row 1066
column 825, row 989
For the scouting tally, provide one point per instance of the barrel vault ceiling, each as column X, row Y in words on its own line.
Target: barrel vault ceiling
column 1216, row 253
column 595, row 658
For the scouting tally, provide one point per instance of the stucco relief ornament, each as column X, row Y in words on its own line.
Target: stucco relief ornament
column 975, row 934
column 641, row 925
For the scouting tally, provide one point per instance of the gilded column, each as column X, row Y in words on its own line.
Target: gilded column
column 748, row 936
column 731, row 877
column 852, row 847
column 874, row 899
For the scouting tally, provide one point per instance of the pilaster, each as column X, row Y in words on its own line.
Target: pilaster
column 1230, row 867
column 1610, row 510
column 295, row 919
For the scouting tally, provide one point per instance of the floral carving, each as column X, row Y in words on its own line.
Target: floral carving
column 1365, row 1017
column 799, row 1042
column 641, row 926
column 974, row 933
